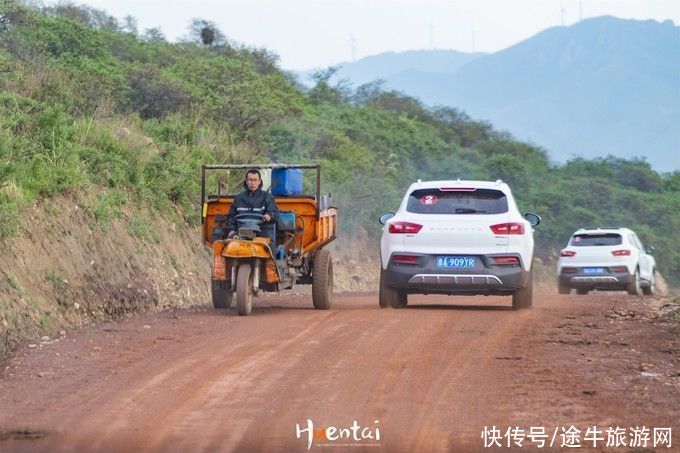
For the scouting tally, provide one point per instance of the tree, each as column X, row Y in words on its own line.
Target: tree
column 129, row 25
column 206, row 33
column 369, row 91
column 12, row 13
column 153, row 35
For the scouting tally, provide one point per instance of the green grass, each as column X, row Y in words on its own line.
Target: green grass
column 14, row 283
column 10, row 219
column 108, row 208
column 45, row 320
column 53, row 277
column 139, row 227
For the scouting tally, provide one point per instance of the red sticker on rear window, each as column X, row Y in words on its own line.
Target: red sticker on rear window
column 429, row 200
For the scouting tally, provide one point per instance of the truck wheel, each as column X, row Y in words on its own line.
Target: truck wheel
column 633, row 287
column 390, row 297
column 221, row 294
column 322, row 280
column 244, row 290
column 563, row 289
column 523, row 297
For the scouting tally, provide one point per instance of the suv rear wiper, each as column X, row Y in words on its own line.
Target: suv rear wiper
column 468, row 211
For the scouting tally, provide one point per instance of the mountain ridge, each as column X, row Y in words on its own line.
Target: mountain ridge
column 598, row 87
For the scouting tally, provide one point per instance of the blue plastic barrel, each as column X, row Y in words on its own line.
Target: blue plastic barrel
column 286, row 182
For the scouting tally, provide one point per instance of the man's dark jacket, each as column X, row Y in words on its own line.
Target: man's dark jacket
column 259, row 202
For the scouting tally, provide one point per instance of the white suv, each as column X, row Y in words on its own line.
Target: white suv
column 606, row 259
column 457, row 237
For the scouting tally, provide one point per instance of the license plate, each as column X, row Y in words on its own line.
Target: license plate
column 593, row 270
column 456, row 262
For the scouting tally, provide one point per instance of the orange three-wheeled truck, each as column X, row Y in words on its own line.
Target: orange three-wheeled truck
column 288, row 253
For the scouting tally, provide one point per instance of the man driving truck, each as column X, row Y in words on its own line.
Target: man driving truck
column 252, row 200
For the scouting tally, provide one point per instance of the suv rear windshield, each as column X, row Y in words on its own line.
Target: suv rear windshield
column 435, row 201
column 585, row 240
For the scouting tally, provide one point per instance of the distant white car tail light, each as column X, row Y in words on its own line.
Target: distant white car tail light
column 623, row 252
column 508, row 228
column 404, row 228
column 567, row 253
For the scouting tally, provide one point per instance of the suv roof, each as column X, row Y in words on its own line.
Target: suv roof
column 602, row 230
column 453, row 183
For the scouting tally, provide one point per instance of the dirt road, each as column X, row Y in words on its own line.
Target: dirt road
column 429, row 377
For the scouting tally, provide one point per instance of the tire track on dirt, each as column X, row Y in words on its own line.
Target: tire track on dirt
column 199, row 383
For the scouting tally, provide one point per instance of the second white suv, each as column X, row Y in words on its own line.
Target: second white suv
column 457, row 237
column 606, row 259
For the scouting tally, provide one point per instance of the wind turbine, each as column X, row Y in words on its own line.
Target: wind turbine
column 353, row 47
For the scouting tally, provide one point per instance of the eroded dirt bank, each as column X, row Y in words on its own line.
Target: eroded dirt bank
column 68, row 268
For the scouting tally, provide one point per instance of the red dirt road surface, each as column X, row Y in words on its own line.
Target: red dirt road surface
column 429, row 377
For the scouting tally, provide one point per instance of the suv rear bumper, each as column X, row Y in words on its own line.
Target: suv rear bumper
column 605, row 281
column 425, row 277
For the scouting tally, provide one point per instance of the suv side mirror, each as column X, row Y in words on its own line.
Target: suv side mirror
column 385, row 217
column 649, row 249
column 534, row 219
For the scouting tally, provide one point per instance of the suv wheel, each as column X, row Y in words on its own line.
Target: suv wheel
column 651, row 289
column 402, row 300
column 633, row 287
column 561, row 289
column 390, row 297
column 523, row 297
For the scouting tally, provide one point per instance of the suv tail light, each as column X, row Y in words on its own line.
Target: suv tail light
column 623, row 252
column 569, row 270
column 505, row 260
column 404, row 228
column 619, row 269
column 508, row 228
column 405, row 259
column 567, row 253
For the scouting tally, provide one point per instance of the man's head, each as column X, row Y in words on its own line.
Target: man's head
column 253, row 180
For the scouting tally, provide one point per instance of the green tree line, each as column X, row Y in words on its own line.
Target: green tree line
column 89, row 103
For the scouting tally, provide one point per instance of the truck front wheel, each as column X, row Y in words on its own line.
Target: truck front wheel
column 244, row 290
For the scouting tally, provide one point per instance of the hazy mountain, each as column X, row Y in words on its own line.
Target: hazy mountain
column 601, row 86
column 400, row 67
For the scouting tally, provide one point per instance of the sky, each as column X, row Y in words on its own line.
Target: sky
column 319, row 33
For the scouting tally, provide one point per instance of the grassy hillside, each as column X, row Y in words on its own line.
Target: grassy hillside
column 89, row 105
